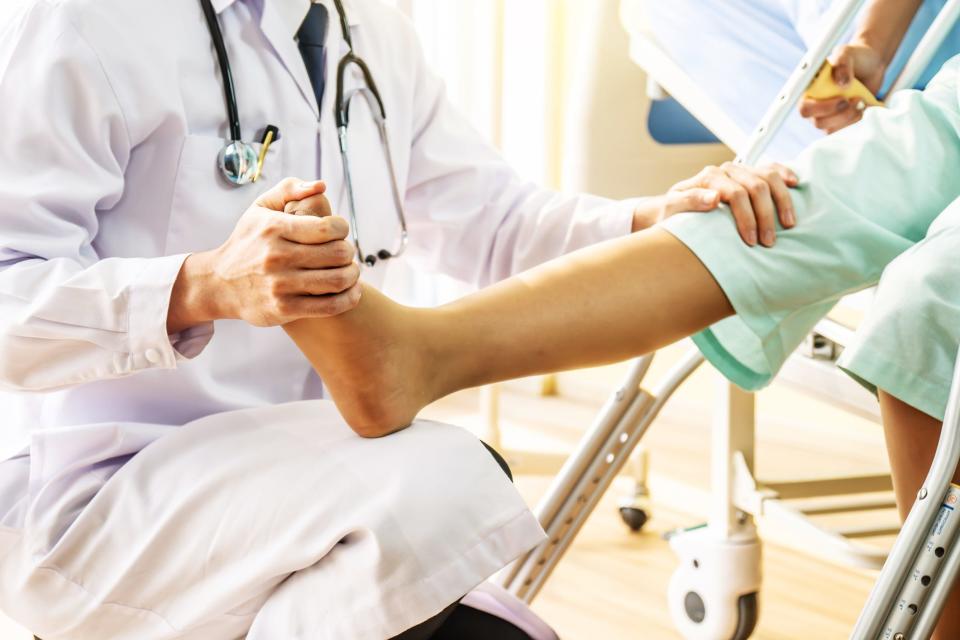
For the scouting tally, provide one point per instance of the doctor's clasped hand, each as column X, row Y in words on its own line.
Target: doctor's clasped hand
column 274, row 268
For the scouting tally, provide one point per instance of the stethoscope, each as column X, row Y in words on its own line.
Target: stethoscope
column 240, row 163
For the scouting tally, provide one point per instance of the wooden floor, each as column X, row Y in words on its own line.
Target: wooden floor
column 612, row 584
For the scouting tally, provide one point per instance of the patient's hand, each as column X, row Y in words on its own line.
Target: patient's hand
column 757, row 197
column 850, row 61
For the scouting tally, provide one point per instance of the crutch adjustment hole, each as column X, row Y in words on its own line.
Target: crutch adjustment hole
column 925, row 581
column 696, row 563
column 610, row 458
column 912, row 609
column 939, row 551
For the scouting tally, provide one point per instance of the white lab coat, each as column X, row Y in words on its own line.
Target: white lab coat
column 113, row 117
column 114, row 114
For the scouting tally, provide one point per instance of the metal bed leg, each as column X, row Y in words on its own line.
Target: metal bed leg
column 714, row 592
column 602, row 453
column 914, row 556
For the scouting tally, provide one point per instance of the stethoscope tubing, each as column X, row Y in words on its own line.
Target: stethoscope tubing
column 229, row 92
column 240, row 170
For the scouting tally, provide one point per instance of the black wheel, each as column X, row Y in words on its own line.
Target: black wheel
column 634, row 518
column 748, row 614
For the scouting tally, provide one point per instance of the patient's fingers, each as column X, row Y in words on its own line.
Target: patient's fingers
column 835, row 122
column 761, row 201
column 822, row 108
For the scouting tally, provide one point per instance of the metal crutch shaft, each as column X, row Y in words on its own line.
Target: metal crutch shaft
column 600, row 474
column 926, row 569
column 922, row 515
column 579, row 494
column 928, row 46
column 587, row 450
column 941, row 589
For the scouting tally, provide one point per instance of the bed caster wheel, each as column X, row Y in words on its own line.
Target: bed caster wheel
column 713, row 593
column 634, row 518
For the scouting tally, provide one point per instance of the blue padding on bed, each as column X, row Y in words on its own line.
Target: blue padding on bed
column 670, row 123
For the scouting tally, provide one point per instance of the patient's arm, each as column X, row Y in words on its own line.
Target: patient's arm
column 383, row 362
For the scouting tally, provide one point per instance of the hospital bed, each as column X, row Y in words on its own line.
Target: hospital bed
column 713, row 593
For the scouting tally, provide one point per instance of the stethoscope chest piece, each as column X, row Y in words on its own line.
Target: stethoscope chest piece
column 238, row 162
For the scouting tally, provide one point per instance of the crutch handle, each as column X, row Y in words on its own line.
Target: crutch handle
column 824, row 87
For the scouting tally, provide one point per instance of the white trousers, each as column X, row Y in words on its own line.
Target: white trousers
column 274, row 523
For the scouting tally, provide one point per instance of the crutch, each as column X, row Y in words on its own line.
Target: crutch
column 920, row 571
column 589, row 471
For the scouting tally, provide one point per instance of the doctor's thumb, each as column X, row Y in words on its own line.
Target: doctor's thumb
column 290, row 190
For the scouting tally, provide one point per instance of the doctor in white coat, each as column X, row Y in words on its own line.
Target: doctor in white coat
column 167, row 477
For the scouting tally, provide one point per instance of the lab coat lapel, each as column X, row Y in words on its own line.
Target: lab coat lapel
column 277, row 32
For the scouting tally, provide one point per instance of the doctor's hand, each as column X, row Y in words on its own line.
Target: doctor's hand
column 854, row 60
column 757, row 197
column 275, row 268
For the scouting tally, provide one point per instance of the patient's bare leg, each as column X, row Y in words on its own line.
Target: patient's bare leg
column 912, row 438
column 383, row 362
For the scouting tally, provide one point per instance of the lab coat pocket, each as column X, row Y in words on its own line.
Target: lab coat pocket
column 205, row 206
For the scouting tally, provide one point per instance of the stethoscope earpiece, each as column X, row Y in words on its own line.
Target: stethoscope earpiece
column 238, row 162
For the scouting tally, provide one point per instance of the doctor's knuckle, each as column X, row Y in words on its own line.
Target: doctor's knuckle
column 337, row 279
column 269, row 228
column 288, row 183
column 273, row 260
column 285, row 306
column 341, row 251
column 276, row 287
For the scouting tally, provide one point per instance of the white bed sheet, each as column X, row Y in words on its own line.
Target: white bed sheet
column 742, row 51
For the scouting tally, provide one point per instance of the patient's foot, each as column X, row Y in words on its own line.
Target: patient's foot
column 372, row 360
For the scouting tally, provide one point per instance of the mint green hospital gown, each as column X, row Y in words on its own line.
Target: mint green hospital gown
column 878, row 202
